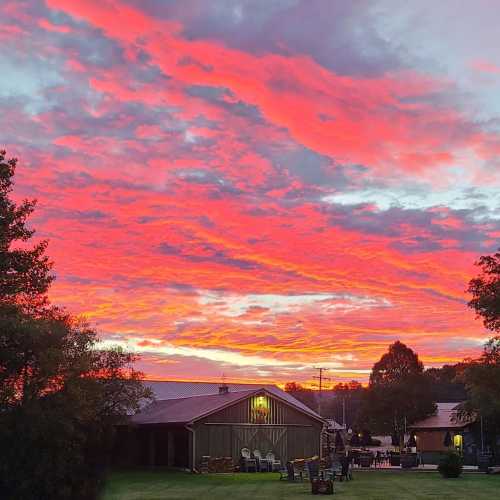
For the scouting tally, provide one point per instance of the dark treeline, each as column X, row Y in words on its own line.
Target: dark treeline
column 345, row 399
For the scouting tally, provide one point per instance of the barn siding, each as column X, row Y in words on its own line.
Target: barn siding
column 287, row 432
column 279, row 413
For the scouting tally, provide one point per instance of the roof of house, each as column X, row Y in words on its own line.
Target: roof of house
column 182, row 402
column 445, row 418
column 332, row 424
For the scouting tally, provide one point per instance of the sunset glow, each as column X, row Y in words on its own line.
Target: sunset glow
column 257, row 187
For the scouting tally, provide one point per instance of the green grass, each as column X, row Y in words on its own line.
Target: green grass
column 161, row 485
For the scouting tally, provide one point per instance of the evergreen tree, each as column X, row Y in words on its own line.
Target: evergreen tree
column 24, row 269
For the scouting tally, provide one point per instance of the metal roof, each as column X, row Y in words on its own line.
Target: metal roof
column 187, row 401
column 444, row 418
column 186, row 410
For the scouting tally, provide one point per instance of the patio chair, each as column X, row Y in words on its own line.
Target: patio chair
column 328, row 469
column 300, row 468
column 204, row 463
column 274, row 464
column 247, row 463
column 312, row 467
column 289, row 472
column 262, row 463
column 345, row 472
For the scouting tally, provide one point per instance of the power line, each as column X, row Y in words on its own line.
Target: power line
column 321, row 377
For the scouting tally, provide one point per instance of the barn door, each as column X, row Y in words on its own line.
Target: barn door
column 273, row 439
column 244, row 436
column 264, row 438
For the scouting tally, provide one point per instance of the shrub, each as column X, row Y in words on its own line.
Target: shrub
column 451, row 464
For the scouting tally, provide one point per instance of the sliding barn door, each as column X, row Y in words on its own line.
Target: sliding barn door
column 264, row 438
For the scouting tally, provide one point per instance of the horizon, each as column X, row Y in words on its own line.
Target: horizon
column 256, row 189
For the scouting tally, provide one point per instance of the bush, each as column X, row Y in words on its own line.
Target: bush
column 451, row 465
column 375, row 442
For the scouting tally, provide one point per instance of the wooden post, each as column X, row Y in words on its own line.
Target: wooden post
column 151, row 448
column 170, row 449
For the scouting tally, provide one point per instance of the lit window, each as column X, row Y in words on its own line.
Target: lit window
column 260, row 409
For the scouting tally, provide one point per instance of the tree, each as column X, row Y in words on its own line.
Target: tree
column 446, row 383
column 343, row 402
column 304, row 395
column 482, row 376
column 482, row 382
column 24, row 271
column 485, row 290
column 396, row 364
column 60, row 395
column 398, row 393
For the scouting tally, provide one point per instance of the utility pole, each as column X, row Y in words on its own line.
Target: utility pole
column 321, row 378
column 343, row 412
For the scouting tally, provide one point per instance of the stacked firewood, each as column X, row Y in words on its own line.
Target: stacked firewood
column 216, row 464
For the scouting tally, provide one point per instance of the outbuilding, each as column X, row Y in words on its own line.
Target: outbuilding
column 191, row 420
column 443, row 431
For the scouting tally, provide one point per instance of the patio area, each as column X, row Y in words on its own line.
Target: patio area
column 377, row 485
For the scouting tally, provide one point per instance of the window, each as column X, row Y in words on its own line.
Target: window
column 259, row 409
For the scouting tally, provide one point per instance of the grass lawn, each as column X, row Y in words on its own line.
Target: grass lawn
column 161, row 485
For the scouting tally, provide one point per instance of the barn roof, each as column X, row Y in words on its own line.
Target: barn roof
column 444, row 418
column 186, row 409
column 181, row 402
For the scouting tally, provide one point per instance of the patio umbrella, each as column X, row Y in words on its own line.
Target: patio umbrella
column 447, row 439
column 339, row 442
column 412, row 443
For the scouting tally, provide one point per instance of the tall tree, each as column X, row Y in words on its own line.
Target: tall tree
column 398, row 393
column 395, row 365
column 24, row 269
column 485, row 291
column 482, row 375
column 60, row 395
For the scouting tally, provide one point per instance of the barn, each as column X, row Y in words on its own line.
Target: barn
column 189, row 420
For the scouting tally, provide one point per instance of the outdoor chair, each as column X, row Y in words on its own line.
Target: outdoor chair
column 300, row 468
column 345, row 472
column 366, row 460
column 204, row 464
column 289, row 472
column 328, row 469
column 247, row 463
column 274, row 464
column 262, row 463
column 312, row 467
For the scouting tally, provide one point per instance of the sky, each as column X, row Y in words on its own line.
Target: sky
column 256, row 188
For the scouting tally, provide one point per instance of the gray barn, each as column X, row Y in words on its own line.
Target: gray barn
column 189, row 420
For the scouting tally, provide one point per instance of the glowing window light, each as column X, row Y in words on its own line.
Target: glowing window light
column 260, row 409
